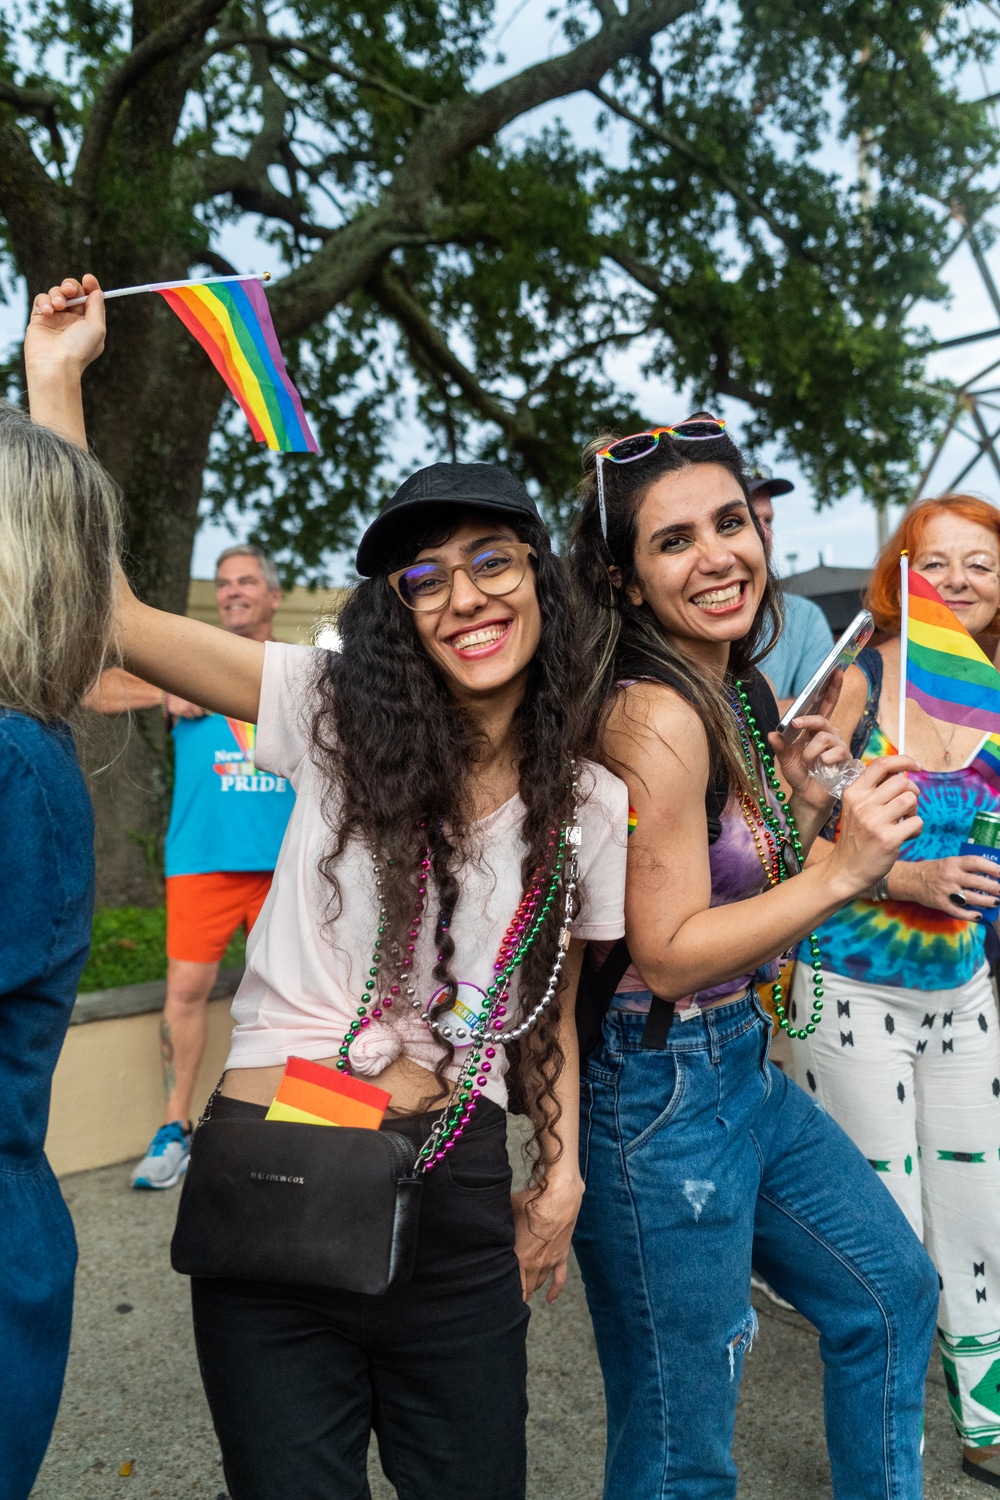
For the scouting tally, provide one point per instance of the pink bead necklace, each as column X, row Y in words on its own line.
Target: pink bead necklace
column 482, row 1038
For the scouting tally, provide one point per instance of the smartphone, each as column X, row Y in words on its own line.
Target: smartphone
column 840, row 657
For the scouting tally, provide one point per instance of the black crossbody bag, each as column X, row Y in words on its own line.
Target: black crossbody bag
column 313, row 1205
column 308, row 1205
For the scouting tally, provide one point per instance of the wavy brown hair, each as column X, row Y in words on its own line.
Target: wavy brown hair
column 623, row 639
column 399, row 754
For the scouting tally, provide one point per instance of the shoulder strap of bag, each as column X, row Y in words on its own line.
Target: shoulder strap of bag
column 765, row 711
column 594, row 994
column 658, row 1024
column 870, row 662
column 763, row 703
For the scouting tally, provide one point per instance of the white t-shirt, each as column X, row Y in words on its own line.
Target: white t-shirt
column 305, row 978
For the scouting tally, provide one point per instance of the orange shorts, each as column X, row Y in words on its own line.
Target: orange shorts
column 204, row 911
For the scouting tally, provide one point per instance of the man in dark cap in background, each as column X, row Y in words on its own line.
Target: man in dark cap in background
column 807, row 637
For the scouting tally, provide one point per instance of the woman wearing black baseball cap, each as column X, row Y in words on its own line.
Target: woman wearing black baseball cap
column 447, row 856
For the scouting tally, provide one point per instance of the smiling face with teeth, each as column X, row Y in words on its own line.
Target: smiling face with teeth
column 699, row 560
column 482, row 645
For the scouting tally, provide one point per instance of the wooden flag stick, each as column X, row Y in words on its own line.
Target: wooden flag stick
column 904, row 625
column 168, row 286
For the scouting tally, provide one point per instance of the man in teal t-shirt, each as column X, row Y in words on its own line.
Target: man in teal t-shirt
column 227, row 821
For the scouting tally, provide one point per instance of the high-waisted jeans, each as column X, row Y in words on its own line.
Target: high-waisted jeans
column 701, row 1160
column 298, row 1377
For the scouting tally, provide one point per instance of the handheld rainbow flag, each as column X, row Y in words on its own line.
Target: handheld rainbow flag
column 987, row 761
column 945, row 671
column 230, row 318
column 232, row 323
column 310, row 1094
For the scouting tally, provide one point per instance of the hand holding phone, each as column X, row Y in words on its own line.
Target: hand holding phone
column 838, row 659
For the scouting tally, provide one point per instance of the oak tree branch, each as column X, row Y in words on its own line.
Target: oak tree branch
column 162, row 43
column 353, row 253
column 730, row 184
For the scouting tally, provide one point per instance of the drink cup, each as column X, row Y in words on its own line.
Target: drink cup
column 984, row 839
column 836, row 779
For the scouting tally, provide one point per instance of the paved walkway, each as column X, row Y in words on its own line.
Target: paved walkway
column 133, row 1392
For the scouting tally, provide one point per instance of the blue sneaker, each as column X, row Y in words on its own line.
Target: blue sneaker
column 165, row 1163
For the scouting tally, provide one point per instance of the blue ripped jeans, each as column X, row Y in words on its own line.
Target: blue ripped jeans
column 702, row 1159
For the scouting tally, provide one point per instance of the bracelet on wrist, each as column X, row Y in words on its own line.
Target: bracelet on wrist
column 880, row 890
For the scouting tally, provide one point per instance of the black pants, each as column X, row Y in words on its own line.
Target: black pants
column 297, row 1377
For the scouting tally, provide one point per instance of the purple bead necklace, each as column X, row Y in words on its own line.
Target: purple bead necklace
column 522, row 930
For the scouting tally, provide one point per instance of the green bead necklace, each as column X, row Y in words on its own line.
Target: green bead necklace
column 756, row 753
column 521, row 934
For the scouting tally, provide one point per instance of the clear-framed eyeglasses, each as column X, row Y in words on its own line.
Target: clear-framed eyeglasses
column 495, row 570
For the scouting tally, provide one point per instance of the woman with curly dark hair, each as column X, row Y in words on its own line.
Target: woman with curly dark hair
column 447, row 857
column 700, row 1158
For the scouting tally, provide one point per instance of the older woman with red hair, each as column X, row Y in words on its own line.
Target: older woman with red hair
column 909, row 1061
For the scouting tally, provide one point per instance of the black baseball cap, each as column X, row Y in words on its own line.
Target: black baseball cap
column 479, row 486
column 760, row 481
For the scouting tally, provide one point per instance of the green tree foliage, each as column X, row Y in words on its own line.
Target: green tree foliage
column 432, row 242
column 443, row 244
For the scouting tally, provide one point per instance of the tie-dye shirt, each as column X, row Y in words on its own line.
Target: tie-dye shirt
column 900, row 943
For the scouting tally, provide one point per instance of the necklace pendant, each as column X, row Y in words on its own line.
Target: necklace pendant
column 789, row 858
column 947, row 757
column 463, row 1023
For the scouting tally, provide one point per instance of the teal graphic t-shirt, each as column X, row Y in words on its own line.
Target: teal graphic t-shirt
column 226, row 814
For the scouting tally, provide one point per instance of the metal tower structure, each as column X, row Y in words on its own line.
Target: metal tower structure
column 975, row 402
column 972, row 430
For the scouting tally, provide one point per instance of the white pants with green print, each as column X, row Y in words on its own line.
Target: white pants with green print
column 913, row 1076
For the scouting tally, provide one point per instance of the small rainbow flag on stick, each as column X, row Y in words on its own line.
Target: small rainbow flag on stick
column 944, row 670
column 311, row 1094
column 229, row 317
column 232, row 323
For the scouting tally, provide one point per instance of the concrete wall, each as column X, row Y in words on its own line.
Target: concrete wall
column 107, row 1093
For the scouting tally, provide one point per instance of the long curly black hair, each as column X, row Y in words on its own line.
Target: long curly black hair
column 627, row 640
column 399, row 754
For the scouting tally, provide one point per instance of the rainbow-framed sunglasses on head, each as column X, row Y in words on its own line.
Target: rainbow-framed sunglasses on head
column 697, row 429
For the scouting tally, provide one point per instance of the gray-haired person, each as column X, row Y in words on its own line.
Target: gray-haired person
column 227, row 822
column 59, row 522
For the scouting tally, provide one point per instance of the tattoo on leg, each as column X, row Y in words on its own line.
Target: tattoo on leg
column 167, row 1058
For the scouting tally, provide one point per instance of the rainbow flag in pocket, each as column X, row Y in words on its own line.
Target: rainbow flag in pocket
column 311, row 1094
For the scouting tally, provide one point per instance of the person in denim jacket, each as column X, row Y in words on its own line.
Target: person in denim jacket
column 58, row 545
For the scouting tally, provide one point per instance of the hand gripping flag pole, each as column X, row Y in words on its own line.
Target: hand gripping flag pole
column 166, row 286
column 230, row 318
column 904, row 634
